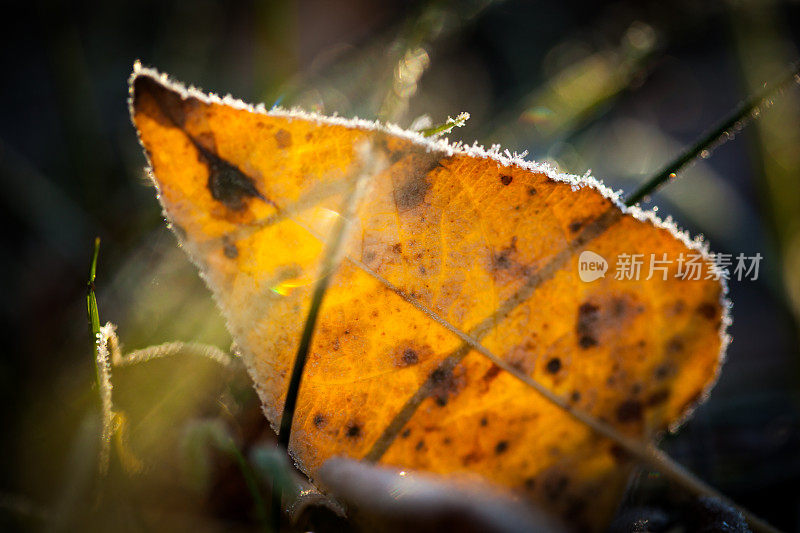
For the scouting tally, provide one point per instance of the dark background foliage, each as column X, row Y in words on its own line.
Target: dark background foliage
column 617, row 88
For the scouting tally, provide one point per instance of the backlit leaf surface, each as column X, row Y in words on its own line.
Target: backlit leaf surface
column 484, row 242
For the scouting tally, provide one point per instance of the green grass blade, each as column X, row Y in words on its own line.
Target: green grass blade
column 717, row 135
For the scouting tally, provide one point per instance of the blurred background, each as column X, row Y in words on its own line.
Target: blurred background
column 616, row 88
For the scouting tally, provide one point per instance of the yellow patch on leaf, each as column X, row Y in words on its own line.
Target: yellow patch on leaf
column 445, row 238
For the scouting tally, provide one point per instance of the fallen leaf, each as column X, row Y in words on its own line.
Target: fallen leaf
column 448, row 242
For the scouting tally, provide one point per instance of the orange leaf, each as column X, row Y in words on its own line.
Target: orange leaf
column 449, row 242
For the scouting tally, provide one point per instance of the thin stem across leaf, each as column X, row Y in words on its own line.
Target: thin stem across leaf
column 332, row 257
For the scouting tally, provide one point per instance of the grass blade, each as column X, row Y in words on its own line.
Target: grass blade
column 717, row 135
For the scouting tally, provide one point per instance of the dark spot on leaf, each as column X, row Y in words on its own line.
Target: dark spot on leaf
column 707, row 310
column 226, row 183
column 530, row 483
column 618, row 307
column 231, row 251
column 446, row 441
column 663, row 371
column 471, row 458
column 619, row 453
column 492, row 373
column 283, row 138
column 484, row 421
column 501, row 260
column 406, row 432
column 411, row 191
column 444, row 384
column 674, row 345
column 553, row 365
column 438, row 375
column 397, row 248
column 309, row 136
column 658, row 397
column 501, row 447
column 531, row 191
column 585, row 341
column 353, row 431
column 410, row 357
column 629, row 411
column 575, row 396
column 420, row 445
column 586, row 325
column 506, row 180
column 575, row 225
column 170, row 103
column 319, row 420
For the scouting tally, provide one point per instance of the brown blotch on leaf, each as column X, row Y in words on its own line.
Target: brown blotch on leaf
column 492, row 373
column 553, row 365
column 411, row 191
column 501, row 447
column 664, row 371
column 506, row 180
column 575, row 225
column 283, row 138
column 231, row 251
column 472, row 458
column 630, row 411
column 353, row 431
column 707, row 310
column 226, row 183
column 410, row 353
column 397, row 248
column 658, row 398
column 586, row 325
column 674, row 345
column 443, row 384
column 171, row 104
column 501, row 260
column 409, row 357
